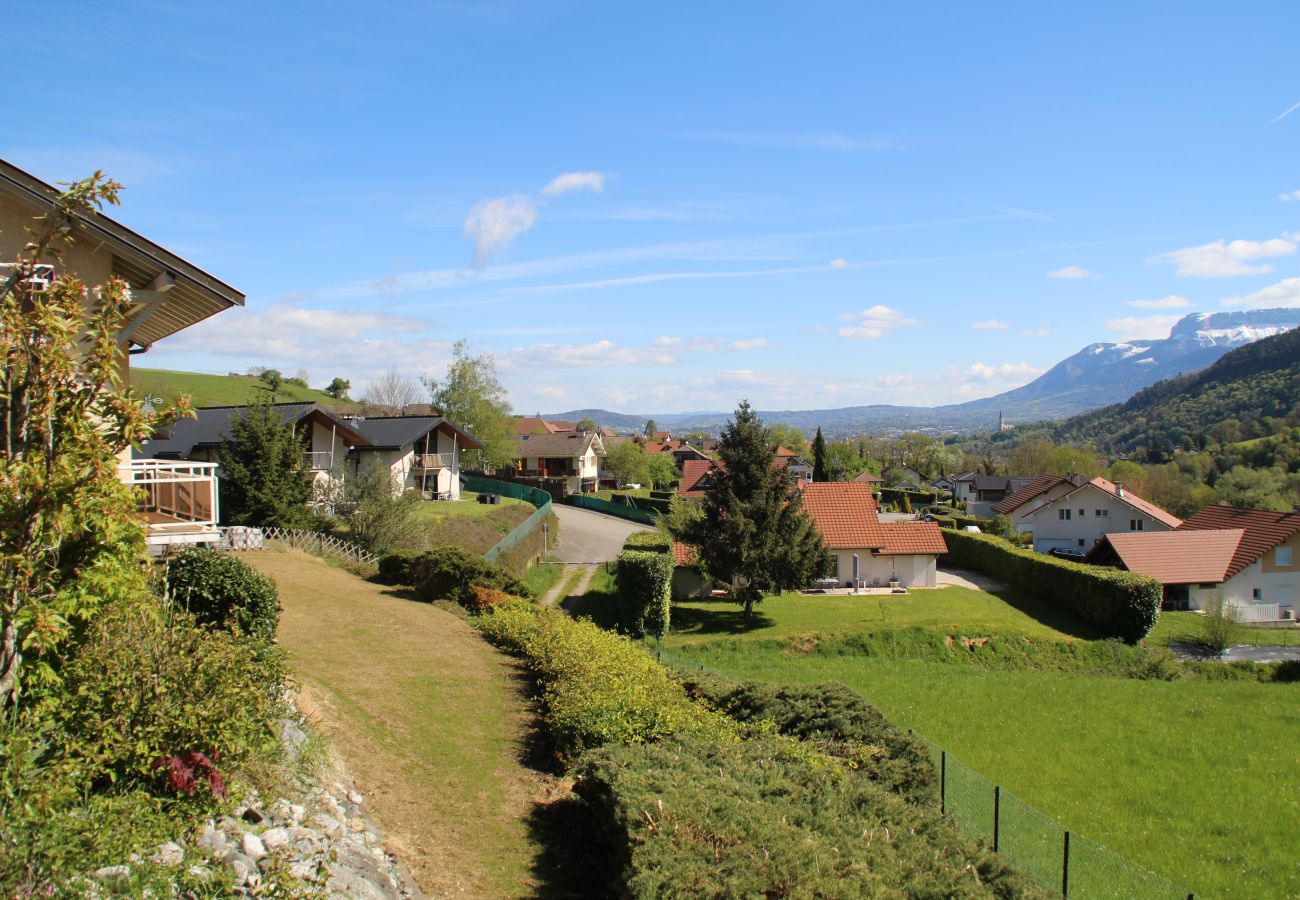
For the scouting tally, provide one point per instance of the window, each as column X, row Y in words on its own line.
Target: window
column 1101, row 513
column 1080, row 542
column 1282, row 556
column 1136, row 524
column 1256, row 594
column 1063, row 515
column 1082, row 513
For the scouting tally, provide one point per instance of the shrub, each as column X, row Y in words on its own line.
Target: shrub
column 222, row 590
column 597, row 687
column 654, row 541
column 485, row 598
column 395, row 567
column 645, row 580
column 452, row 572
column 1218, row 625
column 1121, row 604
column 687, row 818
column 838, row 720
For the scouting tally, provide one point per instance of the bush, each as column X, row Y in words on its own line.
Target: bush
column 395, row 568
column 645, row 580
column 654, row 541
column 222, row 590
column 485, row 598
column 451, row 573
column 597, row 687
column 837, row 720
column 1121, row 604
column 687, row 818
column 1218, row 625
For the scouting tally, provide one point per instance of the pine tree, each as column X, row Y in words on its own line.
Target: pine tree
column 754, row 532
column 264, row 482
column 819, row 457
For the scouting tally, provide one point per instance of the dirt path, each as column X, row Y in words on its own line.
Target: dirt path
column 429, row 719
column 574, row 582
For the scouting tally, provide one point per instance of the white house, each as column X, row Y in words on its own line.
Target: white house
column 845, row 514
column 1249, row 557
column 421, row 452
column 571, row 459
column 1079, row 518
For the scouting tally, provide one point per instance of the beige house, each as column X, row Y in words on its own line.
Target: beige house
column 1080, row 517
column 570, row 460
column 421, row 452
column 179, row 500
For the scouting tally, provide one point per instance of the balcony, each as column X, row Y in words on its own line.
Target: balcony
column 431, row 461
column 318, row 461
column 177, row 500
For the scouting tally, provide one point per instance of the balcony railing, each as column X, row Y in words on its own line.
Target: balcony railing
column 173, row 491
column 318, row 461
column 435, row 461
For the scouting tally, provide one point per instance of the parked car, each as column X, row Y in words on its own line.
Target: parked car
column 1066, row 553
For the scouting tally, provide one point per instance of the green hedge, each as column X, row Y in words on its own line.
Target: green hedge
column 688, row 818
column 1121, row 604
column 222, row 590
column 645, row 580
column 837, row 720
column 916, row 498
column 654, row 541
column 597, row 687
column 395, row 567
column 451, row 573
column 663, row 495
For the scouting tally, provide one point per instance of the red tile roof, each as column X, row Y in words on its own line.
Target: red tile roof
column 694, row 472
column 1146, row 507
column 685, row 554
column 1264, row 530
column 845, row 513
column 868, row 478
column 1177, row 557
column 1039, row 485
column 912, row 538
column 530, row 424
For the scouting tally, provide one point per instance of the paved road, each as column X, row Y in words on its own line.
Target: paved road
column 591, row 537
column 1239, row 653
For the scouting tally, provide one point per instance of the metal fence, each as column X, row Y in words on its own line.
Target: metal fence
column 1058, row 860
column 644, row 516
column 536, row 496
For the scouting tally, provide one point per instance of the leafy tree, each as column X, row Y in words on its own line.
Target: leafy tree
column 660, row 469
column 471, row 395
column 628, row 462
column 650, row 428
column 272, row 378
column 379, row 516
column 1254, row 489
column 587, row 425
column 1073, row 461
column 1130, row 474
column 265, row 482
column 754, row 533
column 69, row 542
column 1032, row 456
column 820, row 472
column 789, row 437
column 338, row 388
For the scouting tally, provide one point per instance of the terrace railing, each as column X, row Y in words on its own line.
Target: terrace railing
column 178, row 489
column 318, row 460
column 435, row 461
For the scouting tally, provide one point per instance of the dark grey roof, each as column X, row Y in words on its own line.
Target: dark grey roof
column 210, row 428
column 395, row 432
column 992, row 483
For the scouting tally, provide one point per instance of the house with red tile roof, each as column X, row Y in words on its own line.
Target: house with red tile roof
column 1078, row 518
column 1250, row 557
column 1038, row 492
column 876, row 552
column 695, row 477
column 688, row 578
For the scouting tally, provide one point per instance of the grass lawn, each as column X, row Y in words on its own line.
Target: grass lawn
column 1185, row 627
column 1191, row 779
column 468, row 523
column 428, row 717
column 223, row 390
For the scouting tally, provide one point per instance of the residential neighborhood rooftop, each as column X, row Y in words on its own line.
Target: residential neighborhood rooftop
column 1174, row 557
column 1264, row 530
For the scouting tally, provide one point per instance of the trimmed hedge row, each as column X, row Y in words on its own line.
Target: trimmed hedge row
column 916, row 498
column 645, row 580
column 450, row 573
column 598, row 688
column 654, row 541
column 835, row 719
column 1121, row 604
column 689, row 818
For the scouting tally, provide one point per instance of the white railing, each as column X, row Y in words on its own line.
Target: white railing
column 181, row 489
column 1257, row 612
column 318, row 460
column 435, row 460
column 311, row 541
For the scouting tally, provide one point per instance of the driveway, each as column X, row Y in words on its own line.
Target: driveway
column 973, row 580
column 1238, row 653
column 591, row 537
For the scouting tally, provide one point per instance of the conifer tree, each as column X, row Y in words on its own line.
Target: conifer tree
column 819, row 457
column 263, row 479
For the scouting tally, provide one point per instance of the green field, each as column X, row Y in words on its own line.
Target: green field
column 468, row 523
column 1191, row 779
column 223, row 390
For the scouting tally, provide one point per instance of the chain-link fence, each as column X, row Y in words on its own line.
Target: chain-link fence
column 536, row 496
column 644, row 516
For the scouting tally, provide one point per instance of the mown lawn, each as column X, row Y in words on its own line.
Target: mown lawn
column 468, row 523
column 1185, row 627
column 1195, row 780
column 223, row 390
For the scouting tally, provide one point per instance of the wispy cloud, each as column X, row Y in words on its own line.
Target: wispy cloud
column 1173, row 301
column 1071, row 273
column 657, row 277
column 1016, row 212
column 750, row 344
column 796, row 140
column 1137, row 328
column 1223, row 259
column 494, row 224
column 1282, row 115
column 873, row 323
column 991, row 325
column 1288, row 197
column 1284, row 293
column 1037, row 332
column 839, row 262
column 575, row 181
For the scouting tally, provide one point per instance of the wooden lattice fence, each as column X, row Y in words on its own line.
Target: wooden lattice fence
column 311, row 541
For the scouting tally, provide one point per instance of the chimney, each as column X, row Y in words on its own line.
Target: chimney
column 1119, row 489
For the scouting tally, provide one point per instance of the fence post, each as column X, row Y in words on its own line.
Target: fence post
column 1065, row 868
column 997, row 814
column 943, row 781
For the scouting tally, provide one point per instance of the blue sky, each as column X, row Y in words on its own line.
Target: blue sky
column 668, row 207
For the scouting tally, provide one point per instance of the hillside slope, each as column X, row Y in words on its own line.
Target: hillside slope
column 1249, row 383
column 223, row 390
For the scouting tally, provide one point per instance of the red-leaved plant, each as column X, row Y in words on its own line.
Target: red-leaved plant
column 185, row 770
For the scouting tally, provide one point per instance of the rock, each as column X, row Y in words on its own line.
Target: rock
column 201, row 872
column 275, row 838
column 240, row 866
column 252, row 816
column 168, row 854
column 115, row 878
column 230, row 826
column 252, row 846
column 354, row 797
column 297, row 813
column 213, row 842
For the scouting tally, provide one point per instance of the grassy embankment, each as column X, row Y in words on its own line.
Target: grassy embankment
column 1189, row 778
column 468, row 523
column 223, row 390
column 428, row 717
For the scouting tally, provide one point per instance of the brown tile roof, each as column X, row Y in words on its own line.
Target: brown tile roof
column 685, row 554
column 694, row 472
column 1039, row 485
column 555, row 446
column 1143, row 506
column 911, row 538
column 1177, row 557
column 1264, row 530
column 868, row 478
column 845, row 513
column 529, row 424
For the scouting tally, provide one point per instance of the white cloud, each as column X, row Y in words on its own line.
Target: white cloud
column 598, row 353
column 841, row 263
column 1223, row 259
column 494, row 224
column 1287, row 198
column 838, row 143
column 550, row 391
column 991, row 325
column 1071, row 273
column 873, row 323
column 1006, row 371
column 1284, row 293
column 667, row 341
column 1138, row 328
column 1282, row 115
column 1173, row 301
column 1037, row 332
column 751, row 344
column 575, row 181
